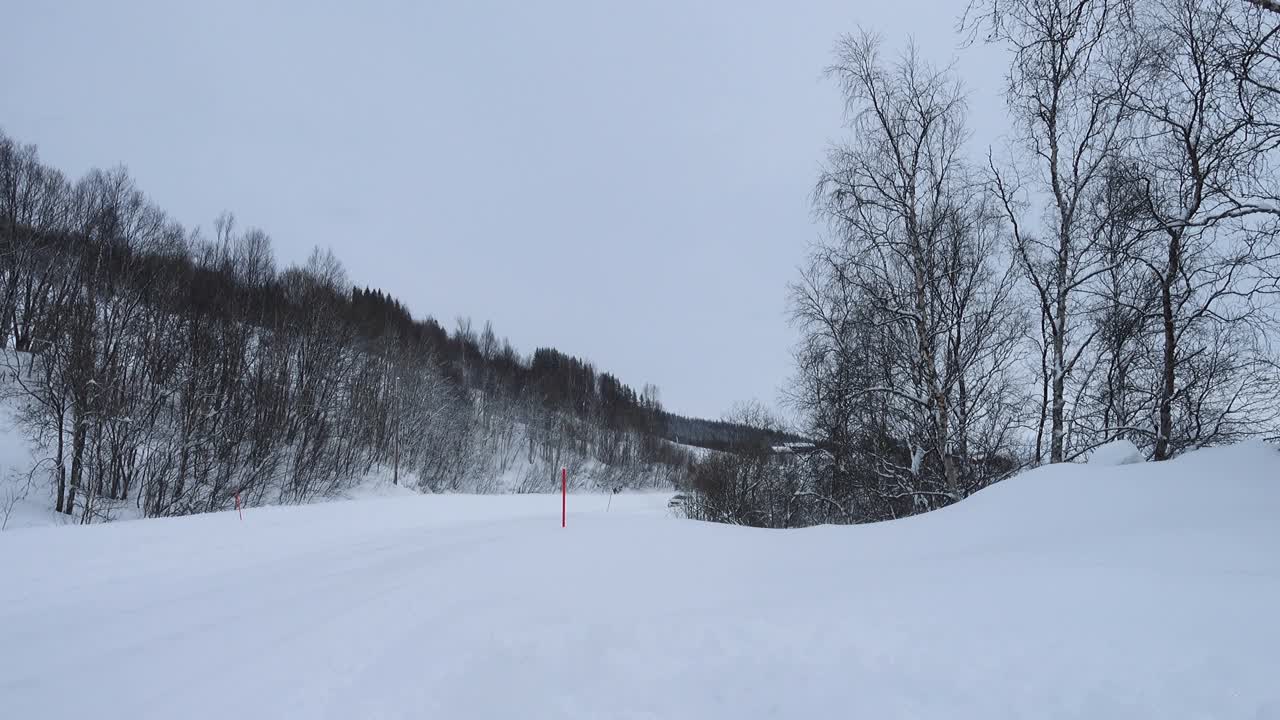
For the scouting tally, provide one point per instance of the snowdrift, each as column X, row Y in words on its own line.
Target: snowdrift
column 1083, row 591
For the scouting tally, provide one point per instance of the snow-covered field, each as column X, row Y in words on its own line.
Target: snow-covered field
column 1088, row 591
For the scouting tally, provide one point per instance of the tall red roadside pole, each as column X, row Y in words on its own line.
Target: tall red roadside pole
column 564, row 494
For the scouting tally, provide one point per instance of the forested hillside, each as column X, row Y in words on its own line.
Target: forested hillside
column 165, row 370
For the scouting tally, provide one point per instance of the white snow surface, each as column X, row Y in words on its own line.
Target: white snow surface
column 1074, row 591
column 1116, row 452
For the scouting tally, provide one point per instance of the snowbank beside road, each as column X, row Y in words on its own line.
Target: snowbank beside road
column 1073, row 591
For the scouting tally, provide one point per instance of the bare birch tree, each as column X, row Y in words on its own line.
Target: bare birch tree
column 1205, row 169
column 1071, row 71
column 907, row 309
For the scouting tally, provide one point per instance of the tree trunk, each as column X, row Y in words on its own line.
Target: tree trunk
column 77, row 462
column 1168, row 377
column 950, row 472
column 60, row 468
column 1057, row 451
column 1057, row 415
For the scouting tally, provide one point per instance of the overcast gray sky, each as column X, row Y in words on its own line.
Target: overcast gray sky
column 628, row 182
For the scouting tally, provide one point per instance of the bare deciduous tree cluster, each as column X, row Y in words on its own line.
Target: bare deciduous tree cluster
column 166, row 371
column 1110, row 275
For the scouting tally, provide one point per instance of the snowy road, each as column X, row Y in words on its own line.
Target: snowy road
column 1073, row 593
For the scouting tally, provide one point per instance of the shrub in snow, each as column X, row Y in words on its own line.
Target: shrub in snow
column 1116, row 452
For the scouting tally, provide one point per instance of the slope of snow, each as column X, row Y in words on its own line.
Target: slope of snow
column 1070, row 592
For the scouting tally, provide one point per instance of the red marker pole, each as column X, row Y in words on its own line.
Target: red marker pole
column 564, row 494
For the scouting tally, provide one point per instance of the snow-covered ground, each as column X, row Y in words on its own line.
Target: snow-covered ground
column 1086, row 591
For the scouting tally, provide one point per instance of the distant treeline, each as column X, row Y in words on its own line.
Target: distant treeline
column 722, row 435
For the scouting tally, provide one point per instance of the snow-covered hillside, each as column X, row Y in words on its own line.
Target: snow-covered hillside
column 1081, row 591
